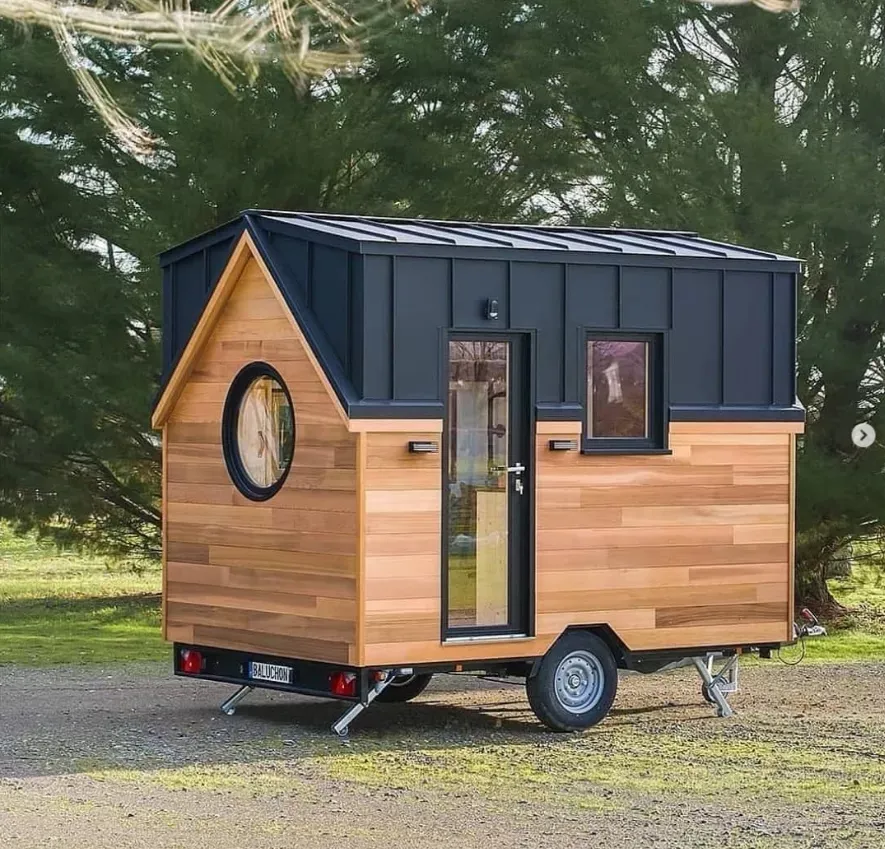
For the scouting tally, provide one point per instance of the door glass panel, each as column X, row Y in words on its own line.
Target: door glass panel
column 477, row 488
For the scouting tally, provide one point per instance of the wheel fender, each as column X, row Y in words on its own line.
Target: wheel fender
column 602, row 631
column 535, row 666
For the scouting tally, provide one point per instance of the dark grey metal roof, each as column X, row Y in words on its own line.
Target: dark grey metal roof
column 370, row 231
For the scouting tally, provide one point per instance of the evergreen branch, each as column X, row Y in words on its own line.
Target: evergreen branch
column 768, row 5
column 249, row 33
column 233, row 40
column 116, row 492
column 108, row 485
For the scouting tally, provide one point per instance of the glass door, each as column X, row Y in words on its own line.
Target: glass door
column 486, row 487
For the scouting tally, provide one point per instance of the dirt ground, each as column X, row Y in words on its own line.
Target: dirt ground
column 131, row 757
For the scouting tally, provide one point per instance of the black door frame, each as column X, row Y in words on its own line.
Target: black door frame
column 521, row 511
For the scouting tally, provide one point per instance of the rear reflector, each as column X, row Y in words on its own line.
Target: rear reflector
column 191, row 662
column 342, row 683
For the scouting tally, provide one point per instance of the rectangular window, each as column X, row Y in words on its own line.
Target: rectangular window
column 624, row 400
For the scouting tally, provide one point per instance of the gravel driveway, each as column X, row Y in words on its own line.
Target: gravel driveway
column 130, row 757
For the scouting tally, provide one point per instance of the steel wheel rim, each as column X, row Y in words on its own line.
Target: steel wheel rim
column 579, row 681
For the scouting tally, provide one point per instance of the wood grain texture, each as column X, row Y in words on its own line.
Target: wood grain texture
column 433, row 426
column 241, row 255
column 792, row 535
column 278, row 576
column 699, row 538
column 403, row 505
column 361, row 452
column 164, row 495
column 735, row 427
column 686, row 550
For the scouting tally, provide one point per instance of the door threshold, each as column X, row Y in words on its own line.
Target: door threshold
column 487, row 638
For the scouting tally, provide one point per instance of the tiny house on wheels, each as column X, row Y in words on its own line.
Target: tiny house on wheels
column 399, row 447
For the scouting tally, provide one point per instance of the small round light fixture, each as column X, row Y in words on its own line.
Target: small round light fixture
column 258, row 431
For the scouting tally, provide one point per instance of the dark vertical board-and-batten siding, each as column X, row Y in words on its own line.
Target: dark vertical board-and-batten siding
column 474, row 284
column 376, row 378
column 293, row 256
column 645, row 298
column 537, row 292
column 187, row 284
column 783, row 323
column 747, row 339
column 730, row 333
column 421, row 308
column 381, row 317
column 696, row 340
column 329, row 284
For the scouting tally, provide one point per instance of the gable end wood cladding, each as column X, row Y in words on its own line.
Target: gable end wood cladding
column 373, row 296
column 281, row 576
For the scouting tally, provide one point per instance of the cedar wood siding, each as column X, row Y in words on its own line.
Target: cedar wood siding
column 684, row 550
column 278, row 576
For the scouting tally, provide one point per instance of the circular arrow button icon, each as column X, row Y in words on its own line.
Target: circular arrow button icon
column 863, row 435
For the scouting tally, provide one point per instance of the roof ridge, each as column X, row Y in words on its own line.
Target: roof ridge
column 450, row 222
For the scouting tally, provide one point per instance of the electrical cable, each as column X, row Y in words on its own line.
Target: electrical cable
column 801, row 653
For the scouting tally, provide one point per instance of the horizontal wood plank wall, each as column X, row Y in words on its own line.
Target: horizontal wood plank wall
column 673, row 551
column 278, row 576
column 682, row 550
column 403, row 527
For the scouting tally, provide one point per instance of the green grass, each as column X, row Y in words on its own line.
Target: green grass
column 859, row 634
column 70, row 608
column 626, row 759
column 238, row 777
column 864, row 588
column 462, row 582
column 841, row 645
column 65, row 607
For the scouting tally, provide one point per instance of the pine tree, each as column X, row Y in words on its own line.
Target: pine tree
column 448, row 117
column 762, row 129
column 771, row 131
column 75, row 356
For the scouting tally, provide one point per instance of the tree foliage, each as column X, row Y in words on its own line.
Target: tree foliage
column 76, row 351
column 234, row 40
column 769, row 131
column 764, row 129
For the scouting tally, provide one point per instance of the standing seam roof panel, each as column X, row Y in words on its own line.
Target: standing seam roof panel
column 454, row 234
column 364, row 229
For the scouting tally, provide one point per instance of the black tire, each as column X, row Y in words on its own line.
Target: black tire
column 404, row 688
column 705, row 692
column 583, row 660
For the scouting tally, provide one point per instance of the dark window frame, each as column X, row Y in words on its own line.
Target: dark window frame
column 245, row 377
column 658, row 419
column 521, row 565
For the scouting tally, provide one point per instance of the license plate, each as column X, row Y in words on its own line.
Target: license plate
column 270, row 672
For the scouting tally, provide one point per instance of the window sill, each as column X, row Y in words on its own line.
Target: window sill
column 487, row 638
column 614, row 451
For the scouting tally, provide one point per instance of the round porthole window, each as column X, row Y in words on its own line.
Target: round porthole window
column 258, row 431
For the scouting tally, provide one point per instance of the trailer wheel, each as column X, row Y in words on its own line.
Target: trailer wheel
column 576, row 683
column 705, row 692
column 404, row 688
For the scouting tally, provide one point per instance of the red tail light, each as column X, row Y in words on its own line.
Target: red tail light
column 191, row 662
column 342, row 683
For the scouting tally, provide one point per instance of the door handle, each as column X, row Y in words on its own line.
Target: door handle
column 516, row 469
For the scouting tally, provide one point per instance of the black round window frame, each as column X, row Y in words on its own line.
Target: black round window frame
column 229, row 420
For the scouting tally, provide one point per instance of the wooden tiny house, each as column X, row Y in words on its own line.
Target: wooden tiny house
column 399, row 446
